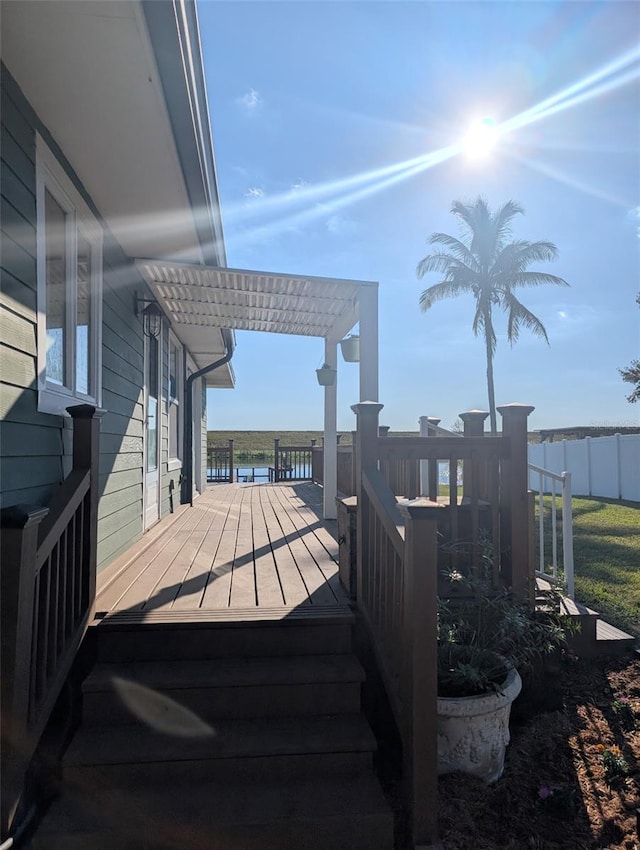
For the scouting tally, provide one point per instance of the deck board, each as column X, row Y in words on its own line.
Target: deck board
column 241, row 547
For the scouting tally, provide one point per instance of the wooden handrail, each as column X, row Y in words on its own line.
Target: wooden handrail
column 386, row 507
column 437, row 448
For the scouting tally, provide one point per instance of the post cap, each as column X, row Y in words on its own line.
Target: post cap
column 474, row 414
column 515, row 409
column 420, row 508
column 368, row 408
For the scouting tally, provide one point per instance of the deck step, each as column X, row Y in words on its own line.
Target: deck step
column 145, row 637
column 333, row 814
column 262, row 747
column 223, row 688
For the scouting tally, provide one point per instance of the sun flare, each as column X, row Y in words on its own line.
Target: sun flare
column 481, row 138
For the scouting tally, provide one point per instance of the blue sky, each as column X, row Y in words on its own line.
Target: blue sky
column 305, row 95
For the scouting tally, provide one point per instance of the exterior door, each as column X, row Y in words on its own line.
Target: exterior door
column 152, row 432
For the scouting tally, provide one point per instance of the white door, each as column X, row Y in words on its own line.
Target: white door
column 152, row 432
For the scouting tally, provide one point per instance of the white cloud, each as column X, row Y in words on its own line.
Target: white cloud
column 299, row 185
column 250, row 101
column 342, row 225
column 254, row 192
column 634, row 215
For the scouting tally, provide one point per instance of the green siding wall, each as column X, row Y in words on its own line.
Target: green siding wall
column 31, row 443
column 34, row 447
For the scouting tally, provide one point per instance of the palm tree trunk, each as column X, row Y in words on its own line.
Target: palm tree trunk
column 490, row 388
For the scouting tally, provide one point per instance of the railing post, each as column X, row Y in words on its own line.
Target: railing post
column 420, row 695
column 354, row 440
column 514, row 501
column 473, row 421
column 567, row 534
column 19, row 543
column 86, row 455
column 276, row 459
column 231, row 464
column 366, row 457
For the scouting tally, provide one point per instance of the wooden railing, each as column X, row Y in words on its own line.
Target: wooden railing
column 292, row 463
column 400, row 553
column 48, row 591
column 345, row 469
column 220, row 463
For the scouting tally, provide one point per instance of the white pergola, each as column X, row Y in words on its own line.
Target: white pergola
column 198, row 298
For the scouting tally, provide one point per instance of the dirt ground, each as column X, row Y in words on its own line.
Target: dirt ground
column 554, row 793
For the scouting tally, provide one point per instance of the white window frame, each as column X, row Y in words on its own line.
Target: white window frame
column 175, row 462
column 50, row 176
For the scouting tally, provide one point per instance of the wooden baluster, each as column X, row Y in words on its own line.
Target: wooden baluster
column 18, row 547
column 421, row 688
column 276, row 459
column 231, row 462
column 432, row 431
column 514, row 507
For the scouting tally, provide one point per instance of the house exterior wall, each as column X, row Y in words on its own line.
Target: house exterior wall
column 35, row 446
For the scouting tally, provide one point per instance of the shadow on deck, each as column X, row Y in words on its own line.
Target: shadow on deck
column 223, row 704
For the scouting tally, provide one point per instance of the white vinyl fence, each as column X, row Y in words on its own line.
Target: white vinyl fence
column 608, row 467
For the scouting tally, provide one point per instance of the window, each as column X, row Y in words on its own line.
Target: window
column 69, row 290
column 174, row 399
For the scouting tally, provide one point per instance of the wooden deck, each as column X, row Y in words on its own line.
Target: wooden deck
column 242, row 550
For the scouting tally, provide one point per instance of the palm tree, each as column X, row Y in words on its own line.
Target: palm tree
column 484, row 263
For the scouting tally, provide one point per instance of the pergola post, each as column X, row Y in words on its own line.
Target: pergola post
column 330, row 483
column 368, row 313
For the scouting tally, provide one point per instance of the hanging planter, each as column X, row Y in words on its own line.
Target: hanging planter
column 351, row 348
column 326, row 375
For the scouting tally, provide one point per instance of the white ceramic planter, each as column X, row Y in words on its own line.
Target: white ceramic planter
column 351, row 349
column 473, row 732
column 326, row 376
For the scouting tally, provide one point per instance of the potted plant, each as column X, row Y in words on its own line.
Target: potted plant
column 350, row 347
column 484, row 638
column 326, row 375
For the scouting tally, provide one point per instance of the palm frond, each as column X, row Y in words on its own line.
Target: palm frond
column 531, row 279
column 443, row 262
column 441, row 291
column 519, row 315
column 502, row 219
column 458, row 248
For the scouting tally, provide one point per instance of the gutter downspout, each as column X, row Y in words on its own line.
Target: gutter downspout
column 187, row 473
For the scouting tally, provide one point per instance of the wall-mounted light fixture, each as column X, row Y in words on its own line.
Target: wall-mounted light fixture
column 151, row 315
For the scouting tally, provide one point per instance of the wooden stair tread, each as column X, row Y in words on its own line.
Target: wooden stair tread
column 227, row 672
column 210, row 805
column 605, row 632
column 228, row 617
column 249, row 738
column 574, row 609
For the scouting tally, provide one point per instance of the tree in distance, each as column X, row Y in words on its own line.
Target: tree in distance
column 631, row 374
column 486, row 264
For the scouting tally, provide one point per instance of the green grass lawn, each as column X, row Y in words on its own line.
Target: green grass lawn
column 606, row 549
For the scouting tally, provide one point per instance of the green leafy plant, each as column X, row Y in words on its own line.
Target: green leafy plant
column 484, row 633
column 624, row 713
column 614, row 763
